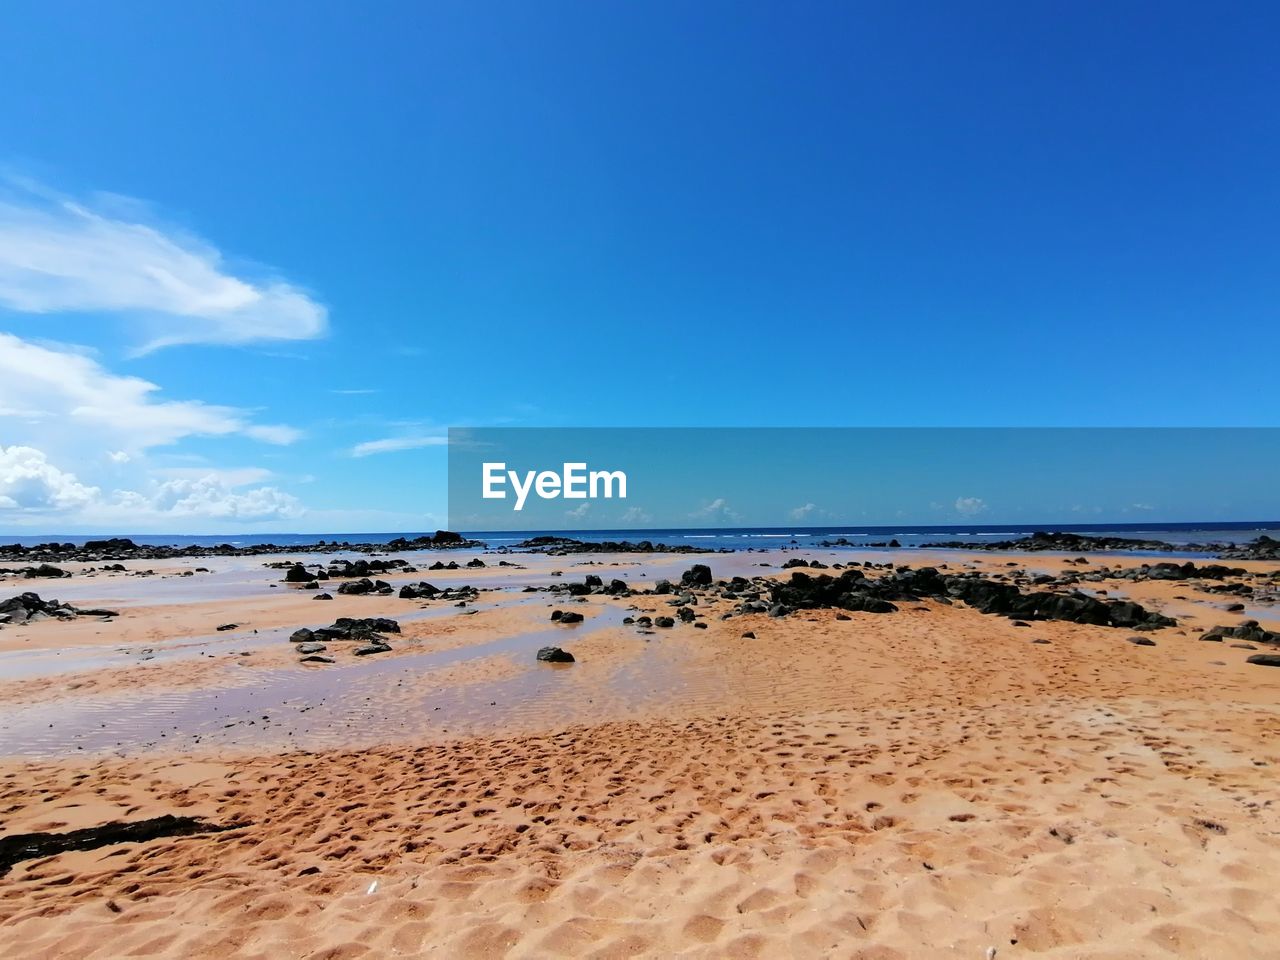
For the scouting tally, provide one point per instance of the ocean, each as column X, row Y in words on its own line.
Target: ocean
column 734, row 538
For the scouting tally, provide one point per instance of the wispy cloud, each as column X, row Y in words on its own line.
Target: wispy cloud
column 61, row 255
column 395, row 444
column 717, row 509
column 93, row 406
column 227, row 476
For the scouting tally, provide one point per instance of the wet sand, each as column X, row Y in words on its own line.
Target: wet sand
column 919, row 784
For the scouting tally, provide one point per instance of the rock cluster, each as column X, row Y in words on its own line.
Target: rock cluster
column 560, row 546
column 367, row 631
column 122, row 548
column 426, row 591
column 592, row 585
column 853, row 590
column 1263, row 548
column 30, row 608
column 1247, row 630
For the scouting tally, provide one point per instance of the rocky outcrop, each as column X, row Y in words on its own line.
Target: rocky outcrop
column 365, row 585
column 1057, row 541
column 560, row 546
column 853, row 590
column 1263, row 548
column 347, row 628
column 30, row 608
column 120, row 548
column 1247, row 630
column 699, row 575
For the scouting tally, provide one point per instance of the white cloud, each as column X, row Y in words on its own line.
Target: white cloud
column 201, row 497
column 635, row 515
column 717, row 509
column 394, row 444
column 227, row 476
column 57, row 255
column 93, row 405
column 32, row 488
column 28, row 481
column 970, row 506
column 578, row 512
column 801, row 513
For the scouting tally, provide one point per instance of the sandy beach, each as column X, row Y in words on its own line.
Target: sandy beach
column 933, row 782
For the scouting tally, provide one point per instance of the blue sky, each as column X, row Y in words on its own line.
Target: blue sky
column 777, row 476
column 254, row 258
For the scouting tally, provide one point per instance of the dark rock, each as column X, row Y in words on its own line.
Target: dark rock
column 45, row 571
column 570, row 616
column 370, row 648
column 30, row 608
column 315, row 658
column 1265, row 659
column 298, row 574
column 699, row 575
column 418, row 591
column 1141, row 641
column 356, row 587
column 33, row 846
column 227, row 626
column 113, row 545
column 555, row 655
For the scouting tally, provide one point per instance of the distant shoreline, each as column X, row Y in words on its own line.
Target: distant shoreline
column 1258, row 542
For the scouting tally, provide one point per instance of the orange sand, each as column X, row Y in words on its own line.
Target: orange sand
column 923, row 784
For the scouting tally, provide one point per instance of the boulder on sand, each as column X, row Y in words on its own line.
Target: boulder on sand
column 555, row 655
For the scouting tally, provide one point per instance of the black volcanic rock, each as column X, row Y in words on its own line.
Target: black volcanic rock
column 30, row 608
column 555, row 655
column 45, row 571
column 699, row 575
column 348, row 628
column 852, row 590
column 112, row 545
column 298, row 574
column 561, row 546
column 123, row 548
